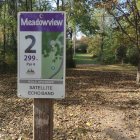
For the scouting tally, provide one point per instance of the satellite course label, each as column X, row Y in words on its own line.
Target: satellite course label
column 41, row 54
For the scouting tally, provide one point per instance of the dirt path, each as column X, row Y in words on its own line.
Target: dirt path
column 100, row 105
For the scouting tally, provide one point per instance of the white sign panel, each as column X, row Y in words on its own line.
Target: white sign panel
column 41, row 54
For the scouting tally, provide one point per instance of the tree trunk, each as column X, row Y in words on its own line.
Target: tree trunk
column 122, row 61
column 26, row 4
column 57, row 5
column 137, row 39
column 4, row 32
column 101, row 51
column 62, row 5
column 31, row 5
column 138, row 73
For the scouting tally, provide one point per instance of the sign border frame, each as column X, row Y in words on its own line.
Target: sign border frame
column 18, row 56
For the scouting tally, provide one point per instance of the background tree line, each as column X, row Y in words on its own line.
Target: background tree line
column 112, row 28
column 115, row 35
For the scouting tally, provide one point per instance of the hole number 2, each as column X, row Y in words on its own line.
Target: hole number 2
column 29, row 48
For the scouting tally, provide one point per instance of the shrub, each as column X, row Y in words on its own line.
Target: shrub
column 133, row 56
column 82, row 48
column 121, row 53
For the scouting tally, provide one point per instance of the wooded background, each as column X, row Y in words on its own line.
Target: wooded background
column 111, row 29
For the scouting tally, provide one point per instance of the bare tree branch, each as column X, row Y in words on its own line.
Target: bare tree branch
column 124, row 15
column 123, row 30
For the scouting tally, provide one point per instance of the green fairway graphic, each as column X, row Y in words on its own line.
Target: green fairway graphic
column 52, row 55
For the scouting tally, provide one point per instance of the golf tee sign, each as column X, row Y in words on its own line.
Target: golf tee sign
column 41, row 54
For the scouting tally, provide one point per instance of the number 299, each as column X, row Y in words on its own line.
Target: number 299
column 29, row 58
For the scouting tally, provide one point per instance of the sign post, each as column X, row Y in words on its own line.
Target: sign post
column 43, row 119
column 41, row 65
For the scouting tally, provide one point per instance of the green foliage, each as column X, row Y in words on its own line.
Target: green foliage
column 84, row 58
column 109, row 59
column 133, row 56
column 81, row 48
column 109, row 49
column 103, row 42
column 8, row 27
column 94, row 43
column 121, row 53
column 42, row 5
column 81, row 17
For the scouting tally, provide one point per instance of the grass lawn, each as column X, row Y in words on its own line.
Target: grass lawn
column 125, row 68
column 84, row 58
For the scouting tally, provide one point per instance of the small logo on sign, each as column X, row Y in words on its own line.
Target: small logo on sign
column 30, row 71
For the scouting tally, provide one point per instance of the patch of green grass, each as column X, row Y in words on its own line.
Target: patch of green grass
column 114, row 68
column 88, row 59
column 84, row 59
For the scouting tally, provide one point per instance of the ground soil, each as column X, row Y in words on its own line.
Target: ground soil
column 99, row 105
